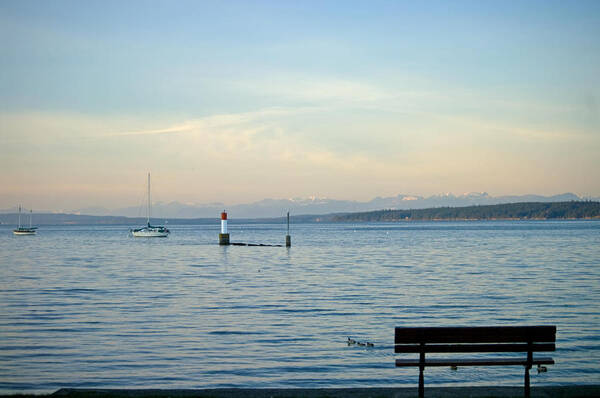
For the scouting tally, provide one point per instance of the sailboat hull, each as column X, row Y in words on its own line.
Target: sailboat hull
column 24, row 231
column 150, row 233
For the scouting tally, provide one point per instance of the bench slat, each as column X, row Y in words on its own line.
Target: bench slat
column 474, row 361
column 416, row 348
column 479, row 334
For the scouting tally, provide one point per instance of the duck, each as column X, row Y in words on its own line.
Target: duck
column 351, row 341
column 370, row 344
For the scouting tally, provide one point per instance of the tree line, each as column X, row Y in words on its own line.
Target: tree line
column 508, row 211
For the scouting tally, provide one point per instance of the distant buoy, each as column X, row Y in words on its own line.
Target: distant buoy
column 224, row 235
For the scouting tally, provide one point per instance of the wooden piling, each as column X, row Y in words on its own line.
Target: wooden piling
column 288, row 238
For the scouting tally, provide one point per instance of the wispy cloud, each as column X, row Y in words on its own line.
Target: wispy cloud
column 282, row 152
column 226, row 120
column 494, row 128
column 307, row 89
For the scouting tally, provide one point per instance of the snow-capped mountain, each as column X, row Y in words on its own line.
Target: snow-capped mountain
column 315, row 205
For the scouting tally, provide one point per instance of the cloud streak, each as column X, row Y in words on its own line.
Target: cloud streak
column 336, row 135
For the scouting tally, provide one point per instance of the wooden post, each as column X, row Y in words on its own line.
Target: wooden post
column 288, row 238
column 527, row 387
column 421, row 369
column 527, row 367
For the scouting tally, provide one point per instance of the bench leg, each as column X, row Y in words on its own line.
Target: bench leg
column 421, row 383
column 527, row 387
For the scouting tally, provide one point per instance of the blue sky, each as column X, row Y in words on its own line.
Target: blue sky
column 238, row 101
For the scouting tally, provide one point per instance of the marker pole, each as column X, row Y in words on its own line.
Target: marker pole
column 288, row 238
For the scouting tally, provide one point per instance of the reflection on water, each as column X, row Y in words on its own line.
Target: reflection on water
column 92, row 307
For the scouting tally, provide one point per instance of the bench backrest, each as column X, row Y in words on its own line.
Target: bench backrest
column 475, row 339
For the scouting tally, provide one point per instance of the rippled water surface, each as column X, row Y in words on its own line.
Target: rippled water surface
column 89, row 306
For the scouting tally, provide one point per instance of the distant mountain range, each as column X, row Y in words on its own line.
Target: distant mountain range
column 587, row 209
column 315, row 206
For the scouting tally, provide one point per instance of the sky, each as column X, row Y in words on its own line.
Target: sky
column 236, row 101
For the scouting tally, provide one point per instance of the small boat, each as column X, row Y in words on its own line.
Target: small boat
column 24, row 230
column 150, row 231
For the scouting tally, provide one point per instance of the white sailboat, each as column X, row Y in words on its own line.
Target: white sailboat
column 24, row 230
column 150, row 231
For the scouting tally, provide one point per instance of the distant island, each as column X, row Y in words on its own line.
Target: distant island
column 512, row 211
column 509, row 211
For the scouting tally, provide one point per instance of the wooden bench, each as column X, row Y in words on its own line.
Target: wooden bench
column 499, row 339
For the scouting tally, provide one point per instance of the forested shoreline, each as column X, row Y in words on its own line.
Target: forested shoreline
column 509, row 211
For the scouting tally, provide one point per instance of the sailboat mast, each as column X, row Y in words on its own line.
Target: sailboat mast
column 19, row 216
column 149, row 199
column 30, row 211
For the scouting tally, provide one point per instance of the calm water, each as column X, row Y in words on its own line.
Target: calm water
column 88, row 306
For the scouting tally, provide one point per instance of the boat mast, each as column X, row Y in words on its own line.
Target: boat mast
column 19, row 216
column 148, row 199
column 30, row 211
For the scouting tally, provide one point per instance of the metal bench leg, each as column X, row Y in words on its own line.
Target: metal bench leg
column 421, row 383
column 421, row 369
column 527, row 387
